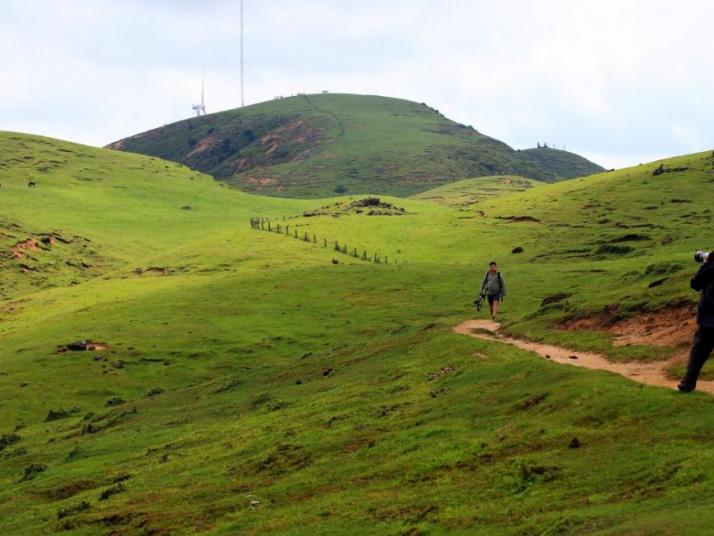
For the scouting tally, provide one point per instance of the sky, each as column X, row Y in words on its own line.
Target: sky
column 620, row 82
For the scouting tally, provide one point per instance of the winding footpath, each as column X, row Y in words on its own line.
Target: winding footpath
column 649, row 373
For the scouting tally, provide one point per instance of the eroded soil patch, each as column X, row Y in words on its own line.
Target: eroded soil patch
column 673, row 327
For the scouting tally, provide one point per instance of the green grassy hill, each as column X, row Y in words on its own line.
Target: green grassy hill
column 319, row 145
column 563, row 163
column 254, row 383
column 468, row 192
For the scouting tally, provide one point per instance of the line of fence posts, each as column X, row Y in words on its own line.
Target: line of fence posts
column 265, row 224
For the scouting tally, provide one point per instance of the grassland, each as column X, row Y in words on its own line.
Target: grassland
column 318, row 145
column 559, row 161
column 467, row 192
column 251, row 385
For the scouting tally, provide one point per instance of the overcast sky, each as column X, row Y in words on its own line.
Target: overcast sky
column 620, row 82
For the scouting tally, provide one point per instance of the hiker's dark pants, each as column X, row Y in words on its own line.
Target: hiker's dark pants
column 702, row 347
column 494, row 297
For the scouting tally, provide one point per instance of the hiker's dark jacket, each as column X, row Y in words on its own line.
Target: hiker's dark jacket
column 704, row 281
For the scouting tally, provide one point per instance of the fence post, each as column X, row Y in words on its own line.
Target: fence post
column 258, row 223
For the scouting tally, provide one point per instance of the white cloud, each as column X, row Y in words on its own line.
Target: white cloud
column 616, row 80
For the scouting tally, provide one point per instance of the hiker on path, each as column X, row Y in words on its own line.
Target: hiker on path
column 494, row 288
column 703, row 342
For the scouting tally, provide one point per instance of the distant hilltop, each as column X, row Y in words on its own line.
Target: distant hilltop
column 325, row 144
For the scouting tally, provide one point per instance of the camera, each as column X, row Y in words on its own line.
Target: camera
column 701, row 256
column 478, row 302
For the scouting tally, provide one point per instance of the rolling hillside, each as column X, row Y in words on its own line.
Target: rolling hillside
column 562, row 163
column 318, row 145
column 468, row 192
column 248, row 381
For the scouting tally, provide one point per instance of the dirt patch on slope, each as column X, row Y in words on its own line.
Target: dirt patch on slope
column 18, row 250
column 205, row 144
column 672, row 327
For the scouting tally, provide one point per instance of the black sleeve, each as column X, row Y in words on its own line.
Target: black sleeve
column 703, row 277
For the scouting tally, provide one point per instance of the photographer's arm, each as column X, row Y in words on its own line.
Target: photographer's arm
column 703, row 277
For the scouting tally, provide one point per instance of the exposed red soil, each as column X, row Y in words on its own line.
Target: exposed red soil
column 204, row 144
column 18, row 250
column 673, row 327
column 261, row 181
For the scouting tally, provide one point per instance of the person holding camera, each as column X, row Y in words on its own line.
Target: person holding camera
column 703, row 342
column 493, row 288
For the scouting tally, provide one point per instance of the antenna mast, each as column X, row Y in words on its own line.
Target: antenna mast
column 242, row 63
column 203, row 85
column 200, row 108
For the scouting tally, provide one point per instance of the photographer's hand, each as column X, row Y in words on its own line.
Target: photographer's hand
column 703, row 277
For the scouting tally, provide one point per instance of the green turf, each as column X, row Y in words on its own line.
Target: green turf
column 559, row 161
column 467, row 192
column 267, row 389
column 318, row 145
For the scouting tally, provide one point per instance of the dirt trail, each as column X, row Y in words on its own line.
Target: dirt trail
column 649, row 373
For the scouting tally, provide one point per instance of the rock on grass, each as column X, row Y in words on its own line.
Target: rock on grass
column 32, row 470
